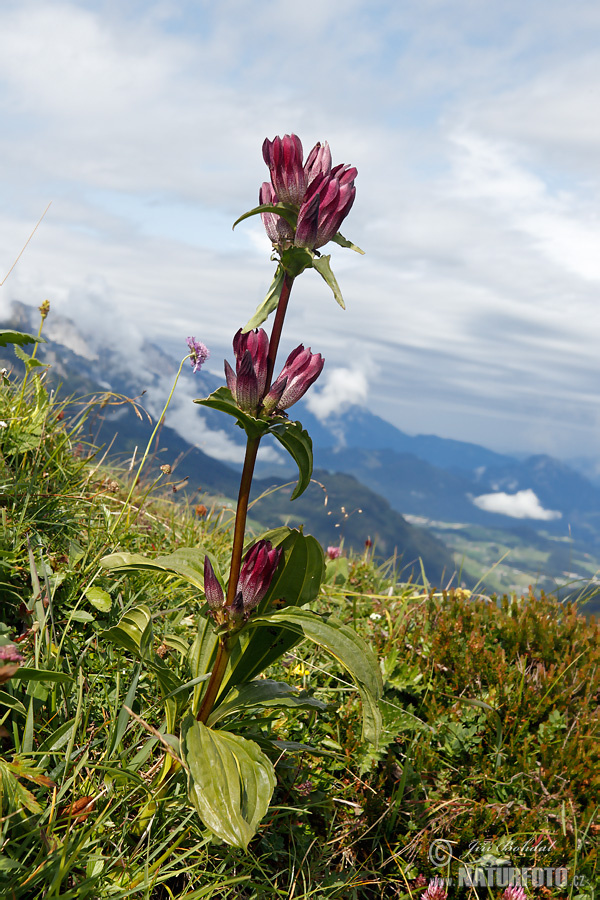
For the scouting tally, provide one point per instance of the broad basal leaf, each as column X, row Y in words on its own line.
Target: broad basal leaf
column 347, row 647
column 130, row 630
column 265, row 693
column 230, row 783
column 187, row 563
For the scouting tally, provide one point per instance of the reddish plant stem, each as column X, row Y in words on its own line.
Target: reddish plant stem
column 277, row 327
column 241, row 513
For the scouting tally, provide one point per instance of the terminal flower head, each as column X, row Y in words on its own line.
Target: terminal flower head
column 322, row 195
column 334, row 552
column 198, row 354
column 302, row 368
column 436, row 890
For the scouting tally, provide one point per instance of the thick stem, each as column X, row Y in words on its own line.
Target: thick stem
column 240, row 517
column 223, row 654
column 277, row 326
column 241, row 513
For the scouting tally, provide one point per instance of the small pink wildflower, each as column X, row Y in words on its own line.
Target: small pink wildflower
column 436, row 890
column 9, row 653
column 514, row 892
column 334, row 552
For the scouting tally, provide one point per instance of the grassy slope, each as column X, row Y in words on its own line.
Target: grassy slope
column 490, row 712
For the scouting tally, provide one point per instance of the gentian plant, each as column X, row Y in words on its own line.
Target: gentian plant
column 261, row 609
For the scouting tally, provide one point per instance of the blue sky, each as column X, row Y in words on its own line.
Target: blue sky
column 475, row 313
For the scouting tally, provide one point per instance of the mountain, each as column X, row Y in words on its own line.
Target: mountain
column 123, row 428
column 341, row 509
column 357, row 427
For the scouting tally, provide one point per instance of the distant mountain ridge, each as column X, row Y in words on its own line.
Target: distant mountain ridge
column 424, row 475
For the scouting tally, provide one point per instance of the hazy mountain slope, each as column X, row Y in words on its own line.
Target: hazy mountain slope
column 358, row 427
column 344, row 509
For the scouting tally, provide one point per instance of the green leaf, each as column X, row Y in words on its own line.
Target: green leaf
column 344, row 242
column 296, row 259
column 298, row 444
column 100, row 600
column 128, row 633
column 201, row 657
column 264, row 309
column 345, row 645
column 13, row 796
column 323, row 266
column 18, row 337
column 120, row 727
column 286, row 212
column 187, row 563
column 12, row 702
column 26, row 674
column 222, row 400
column 29, row 361
column 231, row 782
column 80, row 615
column 265, row 692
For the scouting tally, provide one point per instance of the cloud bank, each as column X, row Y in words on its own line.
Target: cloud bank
column 343, row 388
column 522, row 505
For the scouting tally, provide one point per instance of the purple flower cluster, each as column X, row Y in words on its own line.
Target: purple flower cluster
column 322, row 195
column 198, row 353
column 256, row 575
column 247, row 384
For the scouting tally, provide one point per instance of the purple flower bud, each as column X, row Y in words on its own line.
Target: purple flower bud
column 318, row 162
column 246, row 390
column 247, row 383
column 436, row 890
column 307, row 226
column 278, row 230
column 212, row 589
column 336, row 193
column 334, row 552
column 284, row 159
column 198, row 353
column 257, row 573
column 301, row 369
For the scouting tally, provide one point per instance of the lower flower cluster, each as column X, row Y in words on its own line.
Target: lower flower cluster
column 258, row 569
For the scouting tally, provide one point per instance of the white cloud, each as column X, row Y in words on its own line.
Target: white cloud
column 343, row 387
column 476, row 139
column 522, row 505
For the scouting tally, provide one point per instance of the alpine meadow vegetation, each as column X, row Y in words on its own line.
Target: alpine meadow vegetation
column 195, row 707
